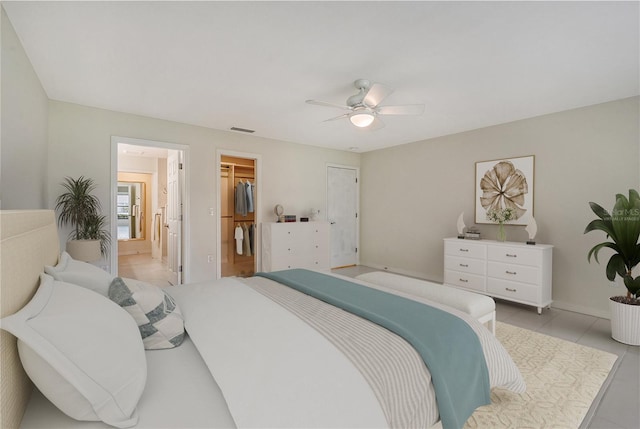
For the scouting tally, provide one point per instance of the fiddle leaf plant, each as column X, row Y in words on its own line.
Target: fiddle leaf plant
column 81, row 209
column 622, row 228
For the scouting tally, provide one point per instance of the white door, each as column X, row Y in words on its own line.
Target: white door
column 342, row 214
column 174, row 214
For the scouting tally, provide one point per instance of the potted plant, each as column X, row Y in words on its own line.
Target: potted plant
column 622, row 227
column 81, row 209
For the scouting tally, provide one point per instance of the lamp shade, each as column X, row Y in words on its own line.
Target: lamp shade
column 84, row 250
column 361, row 119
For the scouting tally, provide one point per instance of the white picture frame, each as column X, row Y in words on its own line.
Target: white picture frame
column 505, row 182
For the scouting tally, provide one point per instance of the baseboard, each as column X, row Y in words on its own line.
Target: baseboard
column 580, row 309
column 133, row 252
column 403, row 272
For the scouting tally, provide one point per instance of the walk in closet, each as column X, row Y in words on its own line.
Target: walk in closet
column 237, row 211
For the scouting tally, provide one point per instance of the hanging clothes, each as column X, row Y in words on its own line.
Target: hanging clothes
column 239, row 236
column 241, row 199
column 252, row 236
column 247, row 241
column 249, row 192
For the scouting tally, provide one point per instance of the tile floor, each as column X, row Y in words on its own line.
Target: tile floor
column 620, row 405
column 143, row 267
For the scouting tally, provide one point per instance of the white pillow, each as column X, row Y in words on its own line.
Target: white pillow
column 82, row 351
column 156, row 313
column 80, row 273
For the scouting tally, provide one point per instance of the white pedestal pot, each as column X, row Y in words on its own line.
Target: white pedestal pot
column 625, row 323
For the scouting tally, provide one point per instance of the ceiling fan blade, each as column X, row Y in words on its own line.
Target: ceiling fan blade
column 376, row 94
column 407, row 109
column 346, row 115
column 377, row 124
column 324, row 103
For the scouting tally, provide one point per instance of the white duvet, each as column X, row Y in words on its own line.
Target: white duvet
column 276, row 371
column 254, row 348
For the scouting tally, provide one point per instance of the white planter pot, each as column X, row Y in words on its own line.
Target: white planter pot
column 84, row 250
column 625, row 323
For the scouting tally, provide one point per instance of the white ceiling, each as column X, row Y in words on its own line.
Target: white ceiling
column 253, row 64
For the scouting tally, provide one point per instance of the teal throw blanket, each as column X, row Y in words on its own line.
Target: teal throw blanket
column 449, row 347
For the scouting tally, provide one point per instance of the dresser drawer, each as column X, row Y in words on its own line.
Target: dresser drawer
column 465, row 280
column 507, row 270
column 515, row 255
column 466, row 265
column 465, row 249
column 518, row 273
column 295, row 245
column 513, row 290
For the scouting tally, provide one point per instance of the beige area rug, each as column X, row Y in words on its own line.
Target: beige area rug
column 563, row 379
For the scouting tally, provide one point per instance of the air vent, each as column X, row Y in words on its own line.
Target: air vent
column 242, row 130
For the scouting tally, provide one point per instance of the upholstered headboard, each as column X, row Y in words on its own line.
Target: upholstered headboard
column 29, row 241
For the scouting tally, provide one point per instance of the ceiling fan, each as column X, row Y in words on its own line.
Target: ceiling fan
column 364, row 107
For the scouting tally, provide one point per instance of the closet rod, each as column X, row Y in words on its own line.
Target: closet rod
column 229, row 164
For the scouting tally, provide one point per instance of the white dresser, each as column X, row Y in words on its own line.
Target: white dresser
column 295, row 245
column 512, row 271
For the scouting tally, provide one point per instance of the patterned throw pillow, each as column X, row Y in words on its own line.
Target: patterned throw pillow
column 156, row 313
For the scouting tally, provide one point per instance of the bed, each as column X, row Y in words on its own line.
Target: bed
column 256, row 353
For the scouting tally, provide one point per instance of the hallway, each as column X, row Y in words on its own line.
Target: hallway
column 143, row 267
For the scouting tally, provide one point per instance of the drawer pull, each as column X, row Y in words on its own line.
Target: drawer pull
column 464, row 250
column 464, row 265
column 513, row 273
column 510, row 290
column 464, row 280
column 511, row 255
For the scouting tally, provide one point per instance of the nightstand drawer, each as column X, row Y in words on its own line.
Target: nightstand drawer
column 465, row 249
column 465, row 280
column 515, row 255
column 518, row 273
column 467, row 265
column 513, row 290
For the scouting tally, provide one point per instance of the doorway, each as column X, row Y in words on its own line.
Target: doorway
column 141, row 208
column 342, row 214
column 134, row 212
column 239, row 199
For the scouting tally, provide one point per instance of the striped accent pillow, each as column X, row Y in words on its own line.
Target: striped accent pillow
column 156, row 313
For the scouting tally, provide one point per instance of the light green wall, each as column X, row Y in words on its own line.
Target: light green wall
column 23, row 151
column 411, row 195
column 293, row 175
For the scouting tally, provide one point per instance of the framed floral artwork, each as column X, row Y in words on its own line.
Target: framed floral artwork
column 505, row 183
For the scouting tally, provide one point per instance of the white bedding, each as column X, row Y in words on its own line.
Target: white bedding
column 277, row 371
column 274, row 369
column 180, row 393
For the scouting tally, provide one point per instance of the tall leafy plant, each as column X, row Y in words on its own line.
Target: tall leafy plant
column 78, row 207
column 622, row 227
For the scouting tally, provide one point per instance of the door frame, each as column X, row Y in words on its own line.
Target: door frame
column 257, row 158
column 113, row 255
column 357, row 170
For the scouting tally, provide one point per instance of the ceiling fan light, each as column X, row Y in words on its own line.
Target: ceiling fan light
column 361, row 119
